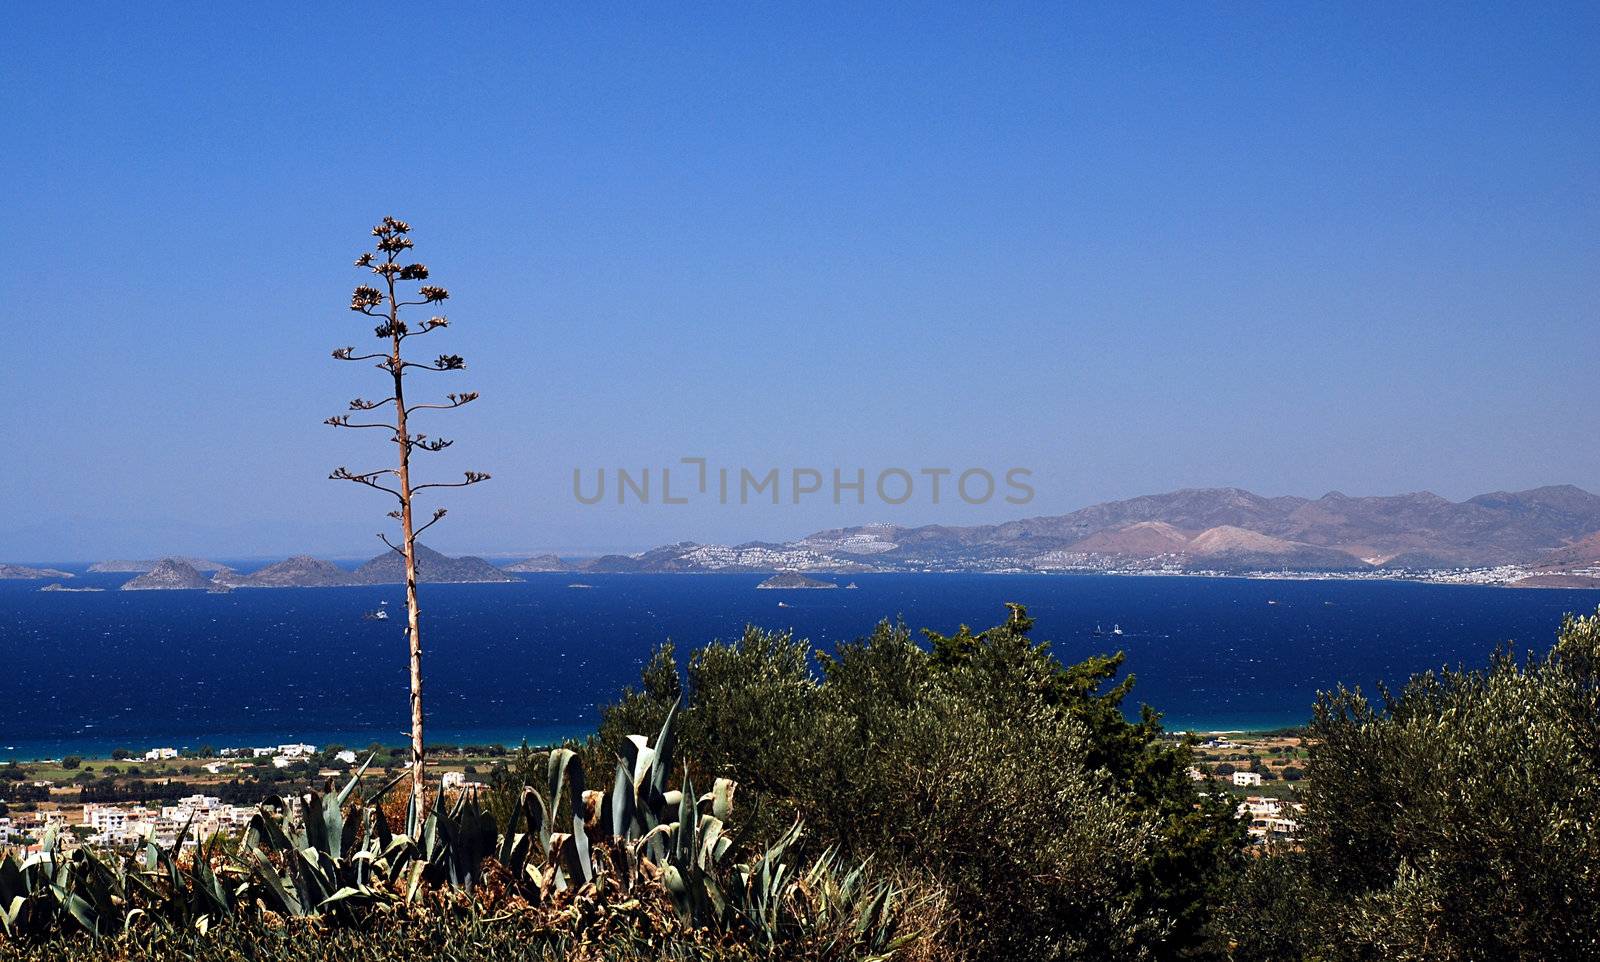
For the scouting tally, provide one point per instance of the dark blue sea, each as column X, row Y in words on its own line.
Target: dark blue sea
column 95, row 671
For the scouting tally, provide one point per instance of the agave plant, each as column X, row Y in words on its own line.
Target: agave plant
column 52, row 890
column 335, row 856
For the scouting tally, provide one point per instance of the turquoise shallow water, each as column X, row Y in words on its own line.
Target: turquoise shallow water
column 91, row 672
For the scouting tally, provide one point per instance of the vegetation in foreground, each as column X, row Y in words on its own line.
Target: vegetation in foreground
column 1456, row 819
column 970, row 798
column 639, row 868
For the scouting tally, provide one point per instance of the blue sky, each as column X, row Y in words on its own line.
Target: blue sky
column 1132, row 248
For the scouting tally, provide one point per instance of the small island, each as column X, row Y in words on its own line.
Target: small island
column 58, row 586
column 794, row 579
column 23, row 573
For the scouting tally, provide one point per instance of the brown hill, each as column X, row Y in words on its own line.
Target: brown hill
column 1581, row 552
column 1143, row 539
column 1420, row 529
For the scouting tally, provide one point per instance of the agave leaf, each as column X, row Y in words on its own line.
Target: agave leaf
column 684, row 841
column 429, row 842
column 388, row 787
column 318, row 883
column 82, row 912
column 266, row 827
column 380, row 827
column 508, row 841
column 721, row 797
column 538, row 819
column 324, row 823
column 208, row 887
column 556, row 771
column 636, row 756
column 347, row 893
column 414, row 827
column 623, row 816
column 678, row 890
column 666, row 744
column 11, row 883
column 565, row 768
column 416, row 881
column 130, row 918
column 350, row 786
column 177, row 843
column 710, row 833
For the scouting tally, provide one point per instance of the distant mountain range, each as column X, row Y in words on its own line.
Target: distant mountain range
column 1550, row 529
column 1548, row 535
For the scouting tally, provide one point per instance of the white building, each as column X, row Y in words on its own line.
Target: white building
column 160, row 754
column 191, row 803
column 1258, row 806
column 296, row 751
column 1246, row 779
column 347, row 756
column 105, row 820
column 457, row 781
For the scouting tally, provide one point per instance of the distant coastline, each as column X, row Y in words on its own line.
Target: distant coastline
column 1500, row 576
column 1547, row 537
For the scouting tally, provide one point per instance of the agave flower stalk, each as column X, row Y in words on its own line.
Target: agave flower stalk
column 384, row 304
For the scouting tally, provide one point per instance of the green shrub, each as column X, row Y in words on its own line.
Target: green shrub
column 1012, row 784
column 1459, row 819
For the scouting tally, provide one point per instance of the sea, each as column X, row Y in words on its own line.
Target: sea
column 85, row 673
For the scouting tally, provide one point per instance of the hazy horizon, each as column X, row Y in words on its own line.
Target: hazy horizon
column 224, row 550
column 1130, row 250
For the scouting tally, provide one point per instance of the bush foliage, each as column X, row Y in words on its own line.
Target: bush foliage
column 1457, row 819
column 1011, row 782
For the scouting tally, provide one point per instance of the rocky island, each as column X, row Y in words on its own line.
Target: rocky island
column 794, row 579
column 304, row 571
column 169, row 574
column 541, row 562
column 432, row 568
column 300, row 571
column 23, row 573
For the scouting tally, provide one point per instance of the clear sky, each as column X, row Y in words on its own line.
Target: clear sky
column 1130, row 247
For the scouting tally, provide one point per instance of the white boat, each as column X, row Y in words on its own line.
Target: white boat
column 1116, row 629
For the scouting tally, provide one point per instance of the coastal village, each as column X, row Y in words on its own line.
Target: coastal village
column 1260, row 771
column 36, row 810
